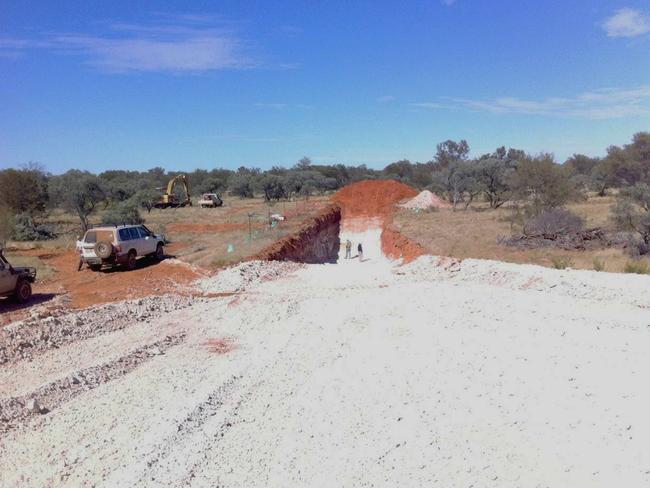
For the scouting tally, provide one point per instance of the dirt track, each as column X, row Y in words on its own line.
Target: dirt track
column 356, row 374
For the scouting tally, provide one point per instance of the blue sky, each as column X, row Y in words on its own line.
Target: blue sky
column 180, row 84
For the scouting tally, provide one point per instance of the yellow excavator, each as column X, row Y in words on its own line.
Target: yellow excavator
column 171, row 199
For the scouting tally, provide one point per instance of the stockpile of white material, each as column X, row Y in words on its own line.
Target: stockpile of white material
column 630, row 290
column 425, row 200
column 243, row 275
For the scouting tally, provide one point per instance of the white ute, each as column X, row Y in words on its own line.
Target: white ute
column 122, row 244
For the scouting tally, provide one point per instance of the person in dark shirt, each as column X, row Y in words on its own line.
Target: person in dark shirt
column 360, row 251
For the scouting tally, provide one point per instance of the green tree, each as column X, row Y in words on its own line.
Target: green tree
column 24, row 190
column 241, row 185
column 271, row 187
column 303, row 164
column 458, row 182
column 400, row 170
column 542, row 183
column 630, row 164
column 6, row 225
column 123, row 213
column 631, row 212
column 449, row 151
column 79, row 192
column 579, row 164
column 146, row 199
column 494, row 176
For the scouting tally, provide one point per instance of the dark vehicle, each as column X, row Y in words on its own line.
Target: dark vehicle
column 16, row 282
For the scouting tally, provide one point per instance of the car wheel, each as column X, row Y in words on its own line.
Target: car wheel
column 131, row 261
column 160, row 252
column 23, row 291
column 104, row 249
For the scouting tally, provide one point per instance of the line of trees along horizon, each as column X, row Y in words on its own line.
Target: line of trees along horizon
column 505, row 175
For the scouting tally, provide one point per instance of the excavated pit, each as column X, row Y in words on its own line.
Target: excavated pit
column 317, row 241
column 362, row 212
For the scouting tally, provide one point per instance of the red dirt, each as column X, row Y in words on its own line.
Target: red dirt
column 316, row 241
column 372, row 198
column 219, row 346
column 395, row 245
column 85, row 288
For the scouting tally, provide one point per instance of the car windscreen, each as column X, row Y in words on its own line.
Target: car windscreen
column 94, row 236
column 143, row 232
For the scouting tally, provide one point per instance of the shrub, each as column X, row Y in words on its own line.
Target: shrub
column 123, row 213
column 542, row 183
column 6, row 225
column 599, row 265
column 561, row 262
column 25, row 229
column 146, row 199
column 555, row 221
column 637, row 267
column 631, row 213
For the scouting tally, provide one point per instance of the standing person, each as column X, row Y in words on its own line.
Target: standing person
column 79, row 249
column 348, row 249
column 360, row 251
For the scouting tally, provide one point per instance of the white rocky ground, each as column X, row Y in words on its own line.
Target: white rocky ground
column 359, row 374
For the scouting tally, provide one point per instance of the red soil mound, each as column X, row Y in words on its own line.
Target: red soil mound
column 372, row 197
column 396, row 246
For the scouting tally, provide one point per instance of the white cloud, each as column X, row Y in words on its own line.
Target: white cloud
column 601, row 104
column 385, row 98
column 430, row 105
column 626, row 22
column 184, row 45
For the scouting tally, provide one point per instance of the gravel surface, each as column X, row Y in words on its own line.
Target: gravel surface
column 244, row 275
column 437, row 373
column 47, row 329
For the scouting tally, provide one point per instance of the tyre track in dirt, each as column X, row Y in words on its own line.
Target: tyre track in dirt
column 26, row 339
column 15, row 410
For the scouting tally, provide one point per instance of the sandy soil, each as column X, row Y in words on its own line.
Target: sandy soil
column 437, row 373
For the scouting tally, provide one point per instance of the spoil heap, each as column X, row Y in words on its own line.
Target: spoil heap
column 425, row 200
column 372, row 198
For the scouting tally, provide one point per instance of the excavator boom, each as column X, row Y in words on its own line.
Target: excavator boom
column 170, row 199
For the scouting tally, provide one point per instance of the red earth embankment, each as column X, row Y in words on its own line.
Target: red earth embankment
column 374, row 201
column 316, row 242
column 372, row 198
column 397, row 246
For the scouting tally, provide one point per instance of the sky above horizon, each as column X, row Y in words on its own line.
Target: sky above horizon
column 184, row 85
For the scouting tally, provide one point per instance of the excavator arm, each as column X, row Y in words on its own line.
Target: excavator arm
column 169, row 199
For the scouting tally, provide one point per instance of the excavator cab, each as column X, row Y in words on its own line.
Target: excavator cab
column 171, row 199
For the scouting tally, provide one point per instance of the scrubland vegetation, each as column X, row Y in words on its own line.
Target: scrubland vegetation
column 505, row 205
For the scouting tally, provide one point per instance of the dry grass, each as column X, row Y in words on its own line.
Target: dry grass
column 208, row 246
column 474, row 234
column 214, row 247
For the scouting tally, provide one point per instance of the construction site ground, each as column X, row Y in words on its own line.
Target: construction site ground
column 361, row 373
column 201, row 241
